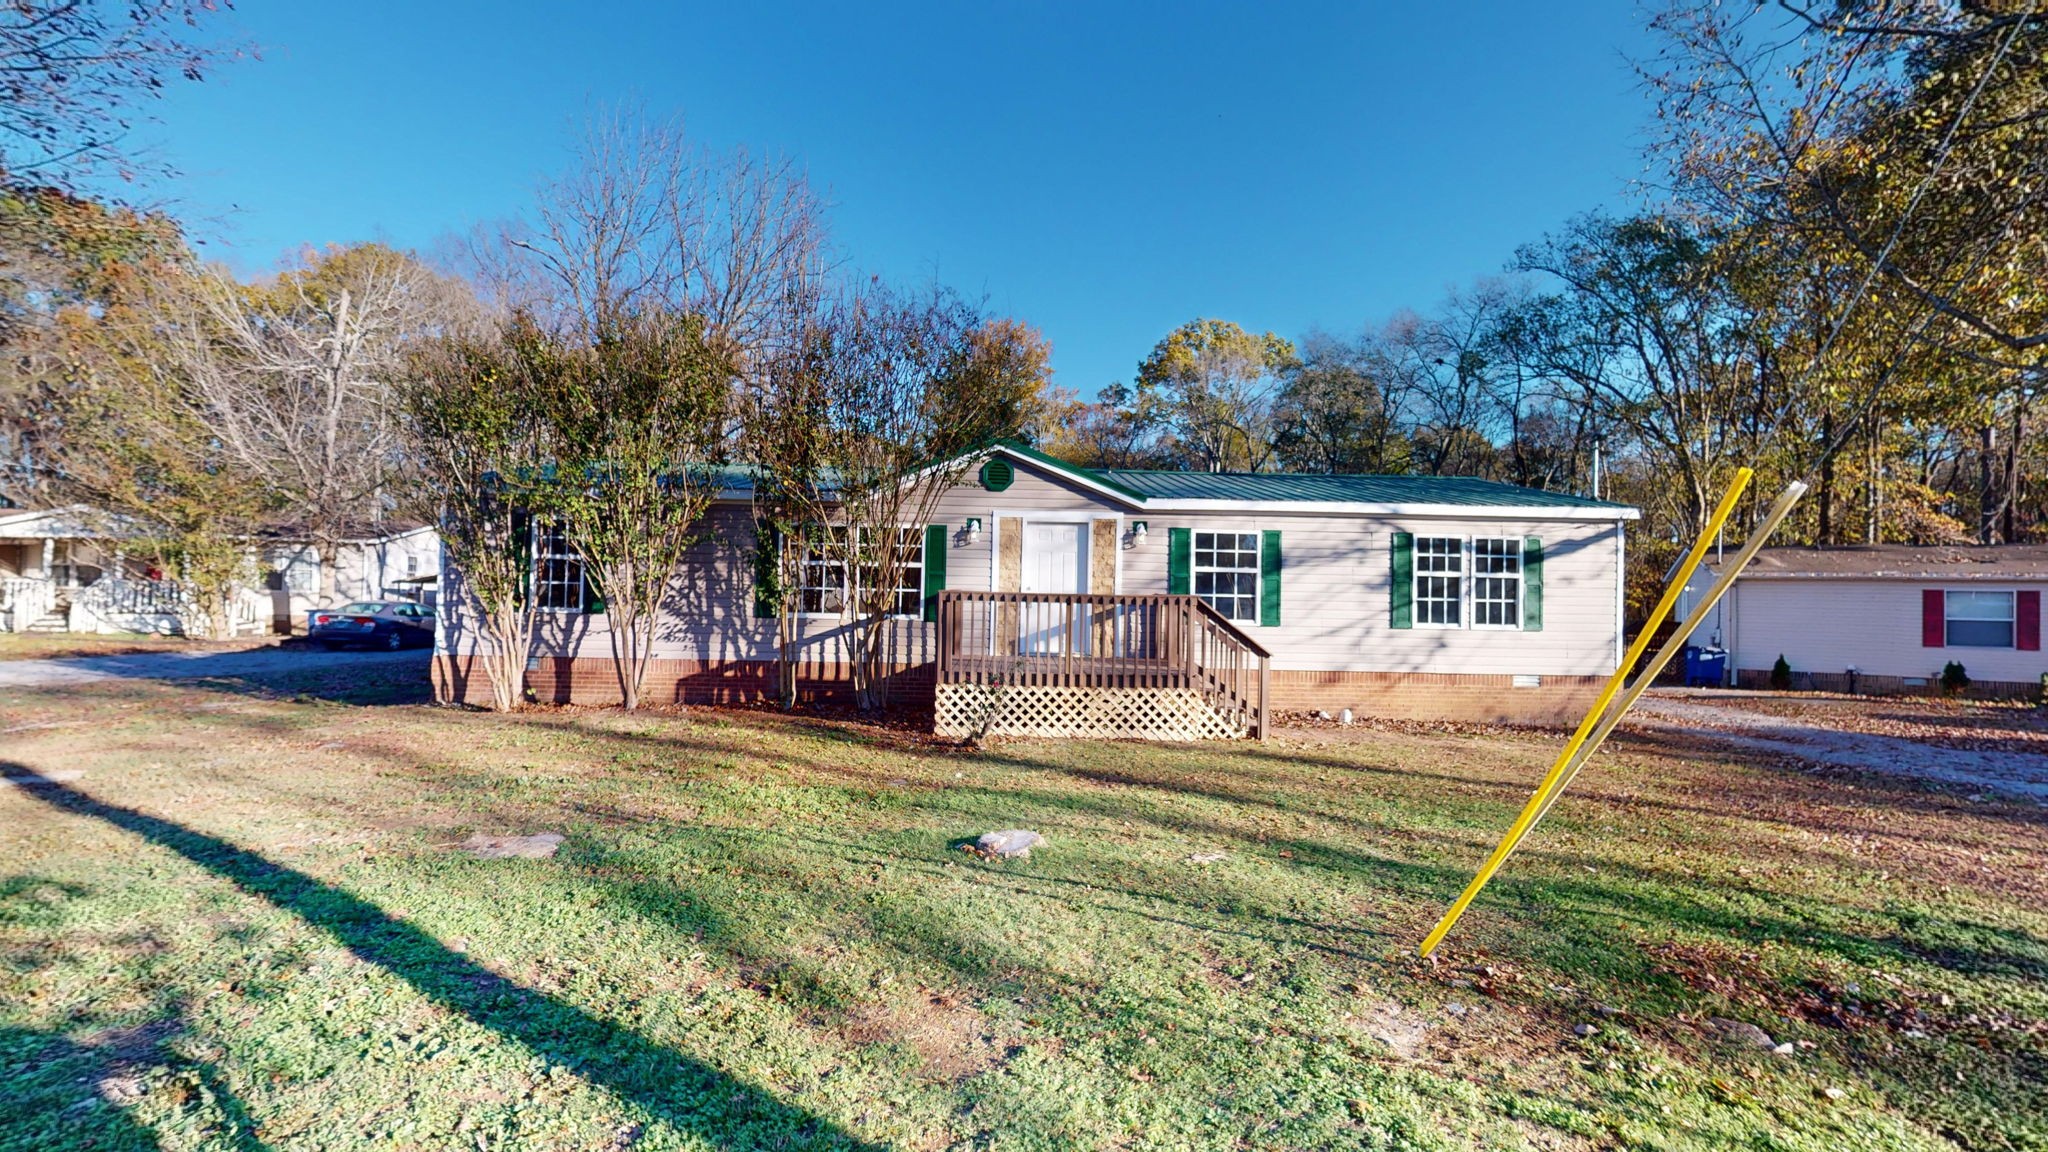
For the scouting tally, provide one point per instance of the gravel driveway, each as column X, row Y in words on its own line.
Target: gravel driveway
column 1724, row 719
column 248, row 663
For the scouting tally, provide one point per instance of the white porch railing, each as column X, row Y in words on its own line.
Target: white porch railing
column 158, row 605
column 26, row 600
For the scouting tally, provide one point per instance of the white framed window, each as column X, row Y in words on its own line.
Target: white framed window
column 1226, row 573
column 1978, row 619
column 909, row 572
column 557, row 570
column 824, row 590
column 1439, row 581
column 1496, row 582
column 821, row 578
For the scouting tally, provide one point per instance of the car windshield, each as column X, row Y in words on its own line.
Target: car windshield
column 365, row 608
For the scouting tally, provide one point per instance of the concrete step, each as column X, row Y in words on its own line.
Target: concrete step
column 54, row 622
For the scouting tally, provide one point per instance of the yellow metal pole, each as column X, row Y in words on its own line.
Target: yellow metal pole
column 1672, row 646
column 1533, row 808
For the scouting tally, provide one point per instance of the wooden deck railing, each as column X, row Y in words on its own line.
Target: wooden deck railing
column 1070, row 640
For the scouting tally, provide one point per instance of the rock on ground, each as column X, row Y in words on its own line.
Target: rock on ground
column 1008, row 844
column 536, row 847
column 1742, row 1032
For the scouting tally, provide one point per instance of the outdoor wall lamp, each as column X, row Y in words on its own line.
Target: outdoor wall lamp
column 1138, row 530
column 973, row 529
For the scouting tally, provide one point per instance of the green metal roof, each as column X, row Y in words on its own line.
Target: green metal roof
column 1459, row 491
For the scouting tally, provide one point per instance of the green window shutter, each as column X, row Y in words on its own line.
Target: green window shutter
column 1269, row 580
column 1532, row 584
column 593, row 596
column 767, row 569
column 1180, row 561
column 522, row 539
column 934, row 568
column 1402, row 603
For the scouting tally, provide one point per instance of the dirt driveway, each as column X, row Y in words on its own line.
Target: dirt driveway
column 1995, row 747
column 201, row 664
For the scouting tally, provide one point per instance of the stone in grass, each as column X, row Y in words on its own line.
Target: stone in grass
column 1742, row 1032
column 1585, row 1030
column 1008, row 844
column 536, row 847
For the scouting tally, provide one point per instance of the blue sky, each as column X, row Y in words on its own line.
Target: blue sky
column 1105, row 171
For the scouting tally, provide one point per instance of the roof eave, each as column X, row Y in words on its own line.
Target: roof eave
column 1359, row 508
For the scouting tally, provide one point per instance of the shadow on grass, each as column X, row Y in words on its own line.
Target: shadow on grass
column 672, row 1087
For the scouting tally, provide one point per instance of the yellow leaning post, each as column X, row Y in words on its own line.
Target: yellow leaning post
column 1686, row 628
column 1534, row 807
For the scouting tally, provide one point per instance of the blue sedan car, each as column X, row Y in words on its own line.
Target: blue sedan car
column 386, row 624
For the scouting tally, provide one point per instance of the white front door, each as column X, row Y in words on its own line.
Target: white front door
column 1055, row 560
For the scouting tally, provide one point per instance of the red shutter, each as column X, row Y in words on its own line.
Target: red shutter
column 1933, row 607
column 2027, row 627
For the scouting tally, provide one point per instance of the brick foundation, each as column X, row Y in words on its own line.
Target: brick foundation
column 591, row 680
column 1558, row 700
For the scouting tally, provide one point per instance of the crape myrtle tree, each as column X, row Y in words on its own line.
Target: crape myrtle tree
column 857, row 437
column 668, row 280
column 634, row 431
column 466, row 409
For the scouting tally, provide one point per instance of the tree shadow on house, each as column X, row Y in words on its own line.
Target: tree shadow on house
column 671, row 1086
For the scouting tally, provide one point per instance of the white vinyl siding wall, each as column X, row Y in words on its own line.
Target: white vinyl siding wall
column 1830, row 624
column 1335, row 583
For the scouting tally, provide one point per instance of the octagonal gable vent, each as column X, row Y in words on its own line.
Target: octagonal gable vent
column 998, row 474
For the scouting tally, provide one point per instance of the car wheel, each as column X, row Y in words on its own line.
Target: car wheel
column 393, row 641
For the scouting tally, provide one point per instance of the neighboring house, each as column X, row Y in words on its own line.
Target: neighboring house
column 65, row 570
column 1046, row 586
column 1883, row 618
column 395, row 560
column 47, row 556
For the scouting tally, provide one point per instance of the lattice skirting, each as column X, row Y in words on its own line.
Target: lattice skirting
column 1085, row 713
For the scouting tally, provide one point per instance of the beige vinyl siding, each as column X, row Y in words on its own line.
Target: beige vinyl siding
column 1335, row 599
column 1827, row 625
column 1336, row 590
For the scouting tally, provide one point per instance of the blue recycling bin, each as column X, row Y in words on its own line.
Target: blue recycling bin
column 1705, row 667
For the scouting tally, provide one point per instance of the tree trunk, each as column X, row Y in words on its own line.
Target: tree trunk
column 1873, row 520
column 1824, row 495
column 2012, row 470
column 1987, row 497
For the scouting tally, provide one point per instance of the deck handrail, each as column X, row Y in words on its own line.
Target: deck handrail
column 1104, row 641
column 1224, row 622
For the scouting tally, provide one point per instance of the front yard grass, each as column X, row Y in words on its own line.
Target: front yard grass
column 244, row 923
column 68, row 645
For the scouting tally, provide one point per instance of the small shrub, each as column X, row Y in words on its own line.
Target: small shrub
column 1953, row 678
column 1781, row 675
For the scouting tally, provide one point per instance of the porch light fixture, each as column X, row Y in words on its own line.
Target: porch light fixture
column 973, row 529
column 1138, row 531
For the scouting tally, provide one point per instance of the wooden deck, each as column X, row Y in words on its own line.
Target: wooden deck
column 1077, row 653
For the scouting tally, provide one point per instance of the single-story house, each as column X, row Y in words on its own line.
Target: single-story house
column 1405, row 596
column 391, row 560
column 1883, row 618
column 47, row 556
column 66, row 570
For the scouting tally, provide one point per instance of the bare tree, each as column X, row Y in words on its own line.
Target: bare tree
column 643, row 219
column 73, row 74
column 298, row 377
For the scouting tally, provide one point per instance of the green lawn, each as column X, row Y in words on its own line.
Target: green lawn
column 244, row 925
